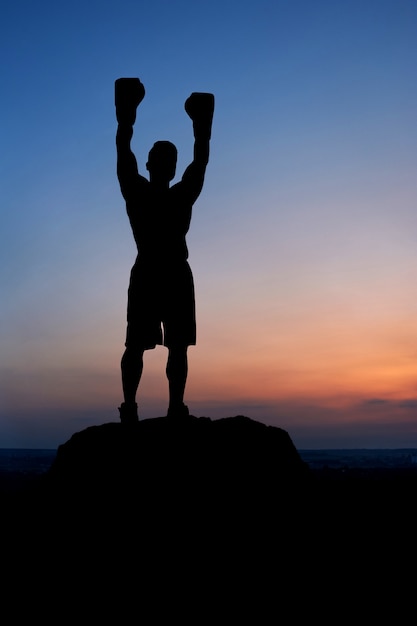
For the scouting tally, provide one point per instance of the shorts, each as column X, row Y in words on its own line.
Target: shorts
column 160, row 306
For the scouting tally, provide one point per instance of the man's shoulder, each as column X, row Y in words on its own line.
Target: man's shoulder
column 139, row 185
column 177, row 188
column 182, row 190
column 141, row 180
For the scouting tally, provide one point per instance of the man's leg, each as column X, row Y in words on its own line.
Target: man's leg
column 177, row 371
column 132, row 367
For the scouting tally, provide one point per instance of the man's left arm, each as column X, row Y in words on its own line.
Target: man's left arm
column 200, row 108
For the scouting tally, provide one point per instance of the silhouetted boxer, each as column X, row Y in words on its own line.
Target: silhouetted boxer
column 161, row 305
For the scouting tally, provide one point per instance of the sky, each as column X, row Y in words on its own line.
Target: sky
column 302, row 243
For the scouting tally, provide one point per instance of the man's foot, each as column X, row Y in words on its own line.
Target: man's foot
column 179, row 410
column 128, row 413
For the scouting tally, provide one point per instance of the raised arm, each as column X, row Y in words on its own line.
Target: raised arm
column 200, row 108
column 129, row 93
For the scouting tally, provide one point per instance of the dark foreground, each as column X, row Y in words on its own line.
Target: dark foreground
column 207, row 516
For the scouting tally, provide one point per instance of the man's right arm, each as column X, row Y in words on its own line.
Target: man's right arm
column 127, row 167
column 129, row 93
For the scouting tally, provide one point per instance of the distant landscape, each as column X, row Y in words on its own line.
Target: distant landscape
column 38, row 461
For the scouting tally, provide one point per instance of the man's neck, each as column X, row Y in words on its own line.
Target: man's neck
column 159, row 185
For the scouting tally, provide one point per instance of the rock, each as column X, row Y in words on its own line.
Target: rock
column 191, row 452
column 179, row 470
column 197, row 494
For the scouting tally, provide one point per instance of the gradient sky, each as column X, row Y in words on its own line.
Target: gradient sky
column 302, row 243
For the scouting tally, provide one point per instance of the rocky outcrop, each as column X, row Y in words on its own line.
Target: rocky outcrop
column 165, row 449
column 162, row 461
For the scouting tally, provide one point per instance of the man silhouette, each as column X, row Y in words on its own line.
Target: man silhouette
column 161, row 305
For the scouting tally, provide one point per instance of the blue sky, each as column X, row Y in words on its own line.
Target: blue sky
column 302, row 244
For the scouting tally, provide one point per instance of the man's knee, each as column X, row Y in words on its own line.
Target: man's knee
column 178, row 351
column 132, row 354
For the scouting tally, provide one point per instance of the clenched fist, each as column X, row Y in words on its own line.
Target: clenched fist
column 200, row 108
column 128, row 94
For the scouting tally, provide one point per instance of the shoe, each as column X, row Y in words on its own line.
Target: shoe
column 180, row 410
column 128, row 413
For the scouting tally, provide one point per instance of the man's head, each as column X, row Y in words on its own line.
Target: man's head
column 162, row 161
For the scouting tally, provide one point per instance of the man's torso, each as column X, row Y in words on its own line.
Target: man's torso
column 160, row 220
